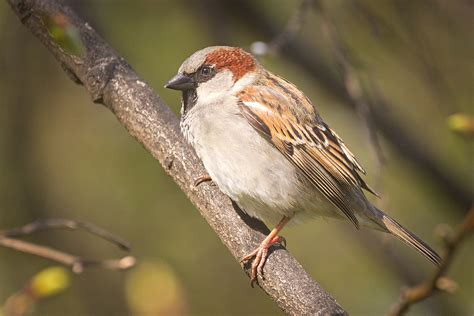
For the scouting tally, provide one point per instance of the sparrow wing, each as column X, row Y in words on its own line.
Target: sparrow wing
column 285, row 117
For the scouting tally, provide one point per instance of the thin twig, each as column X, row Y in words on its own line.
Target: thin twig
column 76, row 263
column 38, row 250
column 437, row 281
column 419, row 45
column 292, row 27
column 60, row 223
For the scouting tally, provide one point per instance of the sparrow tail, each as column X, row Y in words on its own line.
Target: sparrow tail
column 406, row 236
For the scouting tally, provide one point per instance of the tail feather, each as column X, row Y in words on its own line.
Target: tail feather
column 409, row 238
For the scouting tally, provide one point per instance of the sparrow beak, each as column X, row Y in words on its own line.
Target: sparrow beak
column 181, row 82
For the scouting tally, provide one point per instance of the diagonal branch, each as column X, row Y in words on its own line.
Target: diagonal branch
column 111, row 81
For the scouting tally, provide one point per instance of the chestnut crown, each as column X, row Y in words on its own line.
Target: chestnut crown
column 204, row 64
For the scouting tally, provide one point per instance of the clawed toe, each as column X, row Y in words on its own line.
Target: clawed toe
column 260, row 254
column 249, row 256
column 201, row 179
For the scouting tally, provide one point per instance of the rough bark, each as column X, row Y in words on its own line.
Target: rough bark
column 112, row 82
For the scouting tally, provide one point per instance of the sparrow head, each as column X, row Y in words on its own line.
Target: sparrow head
column 212, row 72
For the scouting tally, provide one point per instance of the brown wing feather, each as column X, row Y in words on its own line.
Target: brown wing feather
column 296, row 129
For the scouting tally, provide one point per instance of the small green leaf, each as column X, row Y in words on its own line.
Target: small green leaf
column 64, row 33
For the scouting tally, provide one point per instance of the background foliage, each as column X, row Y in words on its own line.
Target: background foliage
column 62, row 156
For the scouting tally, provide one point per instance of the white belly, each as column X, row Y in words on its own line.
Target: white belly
column 251, row 171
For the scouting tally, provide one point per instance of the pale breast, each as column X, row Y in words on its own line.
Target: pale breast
column 248, row 168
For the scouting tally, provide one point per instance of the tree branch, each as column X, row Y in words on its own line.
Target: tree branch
column 437, row 281
column 76, row 263
column 60, row 223
column 112, row 82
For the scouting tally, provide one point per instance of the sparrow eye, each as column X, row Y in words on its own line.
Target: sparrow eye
column 205, row 73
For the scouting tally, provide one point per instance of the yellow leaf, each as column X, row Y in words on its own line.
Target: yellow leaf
column 462, row 124
column 50, row 281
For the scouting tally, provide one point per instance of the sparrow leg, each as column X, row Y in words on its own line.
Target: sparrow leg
column 261, row 252
column 201, row 179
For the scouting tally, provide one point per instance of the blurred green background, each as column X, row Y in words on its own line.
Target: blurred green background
column 63, row 156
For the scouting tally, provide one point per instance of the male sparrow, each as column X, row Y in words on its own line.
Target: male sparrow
column 265, row 145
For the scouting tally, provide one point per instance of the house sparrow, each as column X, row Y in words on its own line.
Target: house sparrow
column 265, row 145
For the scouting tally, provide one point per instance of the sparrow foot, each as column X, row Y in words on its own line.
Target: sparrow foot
column 260, row 254
column 201, row 179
